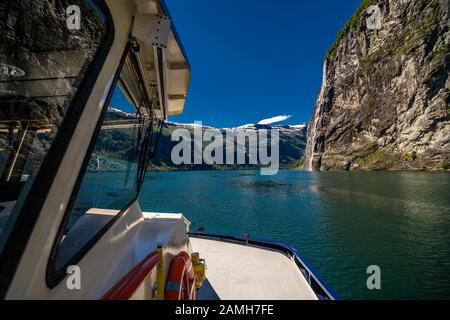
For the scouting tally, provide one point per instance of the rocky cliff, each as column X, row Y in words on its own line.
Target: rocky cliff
column 384, row 101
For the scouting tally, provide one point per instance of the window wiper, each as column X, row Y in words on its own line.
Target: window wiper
column 133, row 154
column 157, row 137
column 150, row 150
column 144, row 155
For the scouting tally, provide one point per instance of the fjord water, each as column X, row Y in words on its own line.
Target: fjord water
column 340, row 222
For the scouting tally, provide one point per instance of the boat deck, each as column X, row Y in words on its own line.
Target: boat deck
column 246, row 272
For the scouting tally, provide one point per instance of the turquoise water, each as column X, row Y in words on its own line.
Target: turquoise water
column 340, row 222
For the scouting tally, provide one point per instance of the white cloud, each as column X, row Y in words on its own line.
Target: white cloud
column 274, row 119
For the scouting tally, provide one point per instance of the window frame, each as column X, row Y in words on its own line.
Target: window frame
column 37, row 192
column 54, row 276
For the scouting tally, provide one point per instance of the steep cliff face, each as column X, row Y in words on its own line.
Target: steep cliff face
column 384, row 101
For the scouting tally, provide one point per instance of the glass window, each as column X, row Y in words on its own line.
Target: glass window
column 42, row 63
column 111, row 179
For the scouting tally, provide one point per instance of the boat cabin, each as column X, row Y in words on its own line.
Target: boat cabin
column 84, row 93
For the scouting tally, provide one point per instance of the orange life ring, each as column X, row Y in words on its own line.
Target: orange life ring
column 190, row 274
column 180, row 279
column 189, row 266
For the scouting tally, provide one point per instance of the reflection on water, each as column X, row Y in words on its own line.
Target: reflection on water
column 340, row 222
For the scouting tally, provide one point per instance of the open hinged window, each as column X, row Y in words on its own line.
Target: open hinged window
column 114, row 169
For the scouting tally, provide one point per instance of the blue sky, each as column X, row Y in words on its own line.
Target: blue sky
column 255, row 59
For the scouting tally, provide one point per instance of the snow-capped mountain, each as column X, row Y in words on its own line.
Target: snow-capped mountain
column 292, row 144
column 251, row 126
column 115, row 113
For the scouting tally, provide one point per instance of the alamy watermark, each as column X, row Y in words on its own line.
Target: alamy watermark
column 373, row 22
column 73, row 281
column 374, row 280
column 73, row 17
column 227, row 147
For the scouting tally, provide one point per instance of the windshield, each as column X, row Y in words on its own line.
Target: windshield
column 45, row 50
column 113, row 171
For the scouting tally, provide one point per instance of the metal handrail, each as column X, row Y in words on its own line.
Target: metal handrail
column 124, row 289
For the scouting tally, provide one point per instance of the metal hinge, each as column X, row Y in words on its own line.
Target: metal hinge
column 152, row 29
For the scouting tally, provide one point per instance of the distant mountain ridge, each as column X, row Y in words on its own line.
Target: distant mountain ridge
column 251, row 126
column 292, row 145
